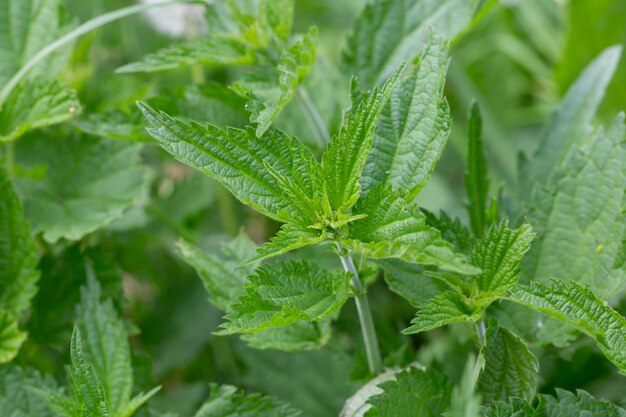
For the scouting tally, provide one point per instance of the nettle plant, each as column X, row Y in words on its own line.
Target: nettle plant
column 532, row 270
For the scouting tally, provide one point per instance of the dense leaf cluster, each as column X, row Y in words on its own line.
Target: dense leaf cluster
column 90, row 206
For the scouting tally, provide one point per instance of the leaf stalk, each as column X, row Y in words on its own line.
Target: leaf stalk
column 372, row 351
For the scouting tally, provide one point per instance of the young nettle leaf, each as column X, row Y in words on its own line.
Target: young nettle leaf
column 232, row 39
column 579, row 404
column 298, row 336
column 511, row 369
column 88, row 183
column 345, row 157
column 289, row 237
column 446, row 308
column 18, row 254
column 88, row 390
column 564, row 404
column 27, row 27
column 414, row 125
column 241, row 161
column 35, row 104
column 11, row 338
column 18, row 269
column 225, row 278
column 268, row 97
column 254, row 34
column 414, row 392
column 476, row 180
column 392, row 227
column 103, row 354
column 452, row 230
column 498, row 255
column 389, row 31
column 20, row 392
column 282, row 293
column 579, row 307
column 227, row 401
column 221, row 50
column 579, row 215
column 276, row 16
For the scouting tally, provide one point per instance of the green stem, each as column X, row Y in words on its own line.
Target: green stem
column 312, row 114
column 227, row 211
column 81, row 30
column 372, row 351
column 8, row 160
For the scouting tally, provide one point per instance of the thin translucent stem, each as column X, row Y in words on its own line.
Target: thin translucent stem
column 318, row 127
column 481, row 331
column 372, row 351
column 81, row 30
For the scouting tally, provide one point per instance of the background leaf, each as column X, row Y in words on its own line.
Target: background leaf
column 88, row 183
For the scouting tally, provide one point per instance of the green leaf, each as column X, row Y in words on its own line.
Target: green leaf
column 226, row 401
column 390, row 31
column 104, row 346
column 239, row 34
column 282, row 293
column 11, row 338
column 26, row 26
column 300, row 335
column 221, row 50
column 579, row 215
column 571, row 122
column 345, row 157
column 18, row 254
column 410, row 281
column 476, row 180
column 511, row 369
column 88, row 389
column 565, row 404
column 17, row 397
column 414, row 125
column 268, row 97
column 446, row 308
column 240, row 161
column 414, row 392
column 223, row 277
column 290, row 237
column 514, row 408
column 452, row 230
column 277, row 15
column 578, row 306
column 35, row 104
column 89, row 182
column 498, row 254
column 581, row 404
column 395, row 228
